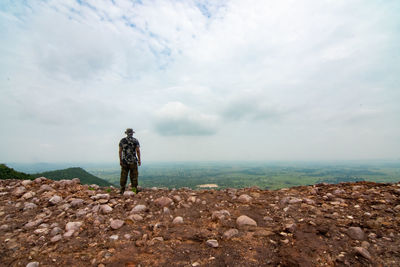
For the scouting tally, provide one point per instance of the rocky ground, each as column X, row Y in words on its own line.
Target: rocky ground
column 64, row 223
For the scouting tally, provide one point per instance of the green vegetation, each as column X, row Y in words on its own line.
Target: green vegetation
column 70, row 173
column 10, row 173
column 263, row 175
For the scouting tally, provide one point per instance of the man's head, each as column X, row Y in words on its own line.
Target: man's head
column 129, row 132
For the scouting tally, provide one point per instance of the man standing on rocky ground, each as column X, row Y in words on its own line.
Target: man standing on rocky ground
column 129, row 159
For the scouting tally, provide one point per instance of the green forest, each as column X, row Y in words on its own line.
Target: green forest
column 265, row 176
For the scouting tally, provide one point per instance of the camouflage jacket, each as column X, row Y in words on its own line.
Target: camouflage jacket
column 128, row 146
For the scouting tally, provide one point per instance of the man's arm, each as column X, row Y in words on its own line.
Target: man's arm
column 120, row 155
column 138, row 155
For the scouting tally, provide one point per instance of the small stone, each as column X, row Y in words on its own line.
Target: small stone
column 33, row 224
column 114, row 237
column 28, row 195
column 75, row 226
column 77, row 202
column 41, row 231
column 178, row 220
column 263, row 233
column 19, row 191
column 138, row 208
column 230, row 233
column 69, row 233
column 177, row 198
column 363, row 252
column 26, row 182
column 55, row 231
column 55, row 200
column 4, row 227
column 192, row 199
column 127, row 236
column 56, row 238
column 136, row 217
column 116, row 224
column 212, row 243
column 244, row 198
column 166, row 211
column 33, row 264
column 220, row 215
column 163, row 201
column 245, row 221
column 105, row 209
column 128, row 194
column 29, row 206
column 355, row 233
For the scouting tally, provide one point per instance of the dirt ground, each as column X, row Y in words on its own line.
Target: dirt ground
column 348, row 224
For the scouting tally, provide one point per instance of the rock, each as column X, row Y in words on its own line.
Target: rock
column 19, row 191
column 45, row 188
column 290, row 227
column 245, row 221
column 39, row 180
column 356, row 233
column 56, row 238
column 55, row 231
column 105, row 209
column 4, row 227
column 295, row 200
column 263, row 233
column 100, row 196
column 166, row 211
column 192, row 199
column 163, row 201
column 127, row 236
column 76, row 180
column 220, row 215
column 135, row 217
column 77, row 203
column 116, row 224
column 29, row 206
column 73, row 226
column 69, row 233
column 33, row 224
column 26, row 182
column 41, row 231
column 230, row 233
column 138, row 208
column 28, row 195
column 55, row 200
column 114, row 237
column 177, row 198
column 212, row 243
column 244, row 198
column 177, row 220
column 33, row 264
column 128, row 194
column 363, row 252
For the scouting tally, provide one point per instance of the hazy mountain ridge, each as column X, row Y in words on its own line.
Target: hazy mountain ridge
column 9, row 173
column 74, row 172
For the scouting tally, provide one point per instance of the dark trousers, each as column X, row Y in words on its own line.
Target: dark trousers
column 132, row 169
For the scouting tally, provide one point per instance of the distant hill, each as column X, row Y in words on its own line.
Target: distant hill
column 10, row 173
column 76, row 172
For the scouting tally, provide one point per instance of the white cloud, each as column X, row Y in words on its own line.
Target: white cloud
column 202, row 73
column 177, row 119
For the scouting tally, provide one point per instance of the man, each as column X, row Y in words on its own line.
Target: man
column 129, row 159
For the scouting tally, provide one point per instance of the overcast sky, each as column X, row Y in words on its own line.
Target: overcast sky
column 200, row 80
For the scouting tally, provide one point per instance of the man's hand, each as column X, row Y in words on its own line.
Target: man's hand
column 139, row 162
column 121, row 163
